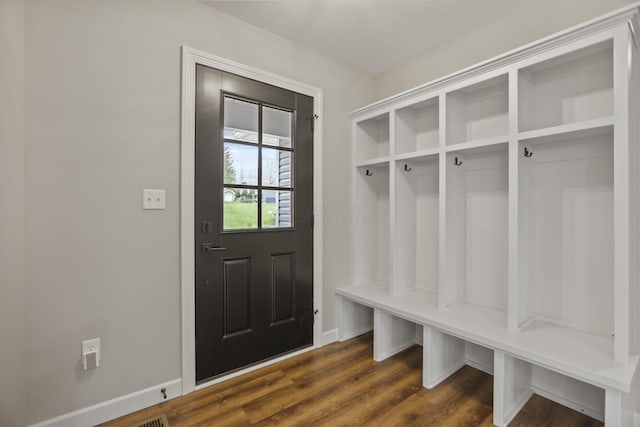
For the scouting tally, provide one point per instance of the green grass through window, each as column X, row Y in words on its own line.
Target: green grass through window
column 239, row 215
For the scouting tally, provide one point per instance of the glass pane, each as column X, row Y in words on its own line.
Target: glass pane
column 240, row 120
column 240, row 208
column 277, row 168
column 276, row 127
column 240, row 164
column 277, row 208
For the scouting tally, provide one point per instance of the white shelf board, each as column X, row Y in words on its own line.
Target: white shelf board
column 486, row 142
column 378, row 161
column 583, row 356
column 418, row 155
column 584, row 129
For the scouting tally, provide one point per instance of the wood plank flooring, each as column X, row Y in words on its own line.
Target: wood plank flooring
column 340, row 385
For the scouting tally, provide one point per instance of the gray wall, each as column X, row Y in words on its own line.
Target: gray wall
column 533, row 20
column 102, row 122
column 12, row 305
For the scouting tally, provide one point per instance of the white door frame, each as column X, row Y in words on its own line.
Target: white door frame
column 190, row 58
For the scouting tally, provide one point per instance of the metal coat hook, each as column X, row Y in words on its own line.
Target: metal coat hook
column 407, row 168
column 368, row 172
column 527, row 153
column 457, row 161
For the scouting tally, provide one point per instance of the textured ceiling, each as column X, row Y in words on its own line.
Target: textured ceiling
column 374, row 35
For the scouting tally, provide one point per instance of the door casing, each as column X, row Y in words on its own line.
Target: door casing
column 191, row 57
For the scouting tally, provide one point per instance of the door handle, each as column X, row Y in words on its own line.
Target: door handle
column 209, row 248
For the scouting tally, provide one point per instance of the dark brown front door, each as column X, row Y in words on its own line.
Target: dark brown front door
column 254, row 222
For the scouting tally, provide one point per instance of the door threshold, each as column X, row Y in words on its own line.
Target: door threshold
column 242, row 371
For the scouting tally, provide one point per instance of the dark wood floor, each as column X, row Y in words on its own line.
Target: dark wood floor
column 340, row 385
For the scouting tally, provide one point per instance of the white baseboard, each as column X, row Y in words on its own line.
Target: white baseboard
column 593, row 413
column 329, row 337
column 115, row 408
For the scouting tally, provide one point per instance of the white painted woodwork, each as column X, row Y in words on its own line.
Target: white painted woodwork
column 501, row 214
column 372, row 138
column 391, row 335
column 478, row 111
column 477, row 220
column 353, row 319
column 416, row 226
column 511, row 387
column 417, row 127
column 371, row 217
column 442, row 355
column 570, row 88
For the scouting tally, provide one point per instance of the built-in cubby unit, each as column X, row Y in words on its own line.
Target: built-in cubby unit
column 417, row 127
column 478, row 112
column 416, row 229
column 476, row 216
column 372, row 139
column 571, row 88
column 371, row 217
column 497, row 215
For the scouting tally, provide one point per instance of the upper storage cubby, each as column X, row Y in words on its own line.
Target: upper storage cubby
column 417, row 127
column 571, row 88
column 372, row 138
column 479, row 111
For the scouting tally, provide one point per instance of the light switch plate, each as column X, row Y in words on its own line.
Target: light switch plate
column 153, row 199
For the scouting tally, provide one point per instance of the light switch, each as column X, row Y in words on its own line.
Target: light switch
column 153, row 199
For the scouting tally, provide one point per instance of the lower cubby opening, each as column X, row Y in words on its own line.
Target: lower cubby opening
column 515, row 382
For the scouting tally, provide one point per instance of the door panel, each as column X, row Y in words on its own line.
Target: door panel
column 282, row 286
column 254, row 223
column 237, row 296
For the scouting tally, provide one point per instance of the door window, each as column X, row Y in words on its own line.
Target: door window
column 258, row 190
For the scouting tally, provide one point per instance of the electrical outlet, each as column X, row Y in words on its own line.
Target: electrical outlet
column 91, row 353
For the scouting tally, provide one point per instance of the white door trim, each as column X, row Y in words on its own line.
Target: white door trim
column 191, row 57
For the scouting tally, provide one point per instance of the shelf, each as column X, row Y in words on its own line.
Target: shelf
column 570, row 88
column 371, row 222
column 478, row 112
column 372, row 138
column 418, row 155
column 487, row 142
column 379, row 161
column 583, row 356
column 416, row 225
column 417, row 126
column 477, row 227
column 585, row 129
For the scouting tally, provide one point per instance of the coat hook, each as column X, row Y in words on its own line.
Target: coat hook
column 457, row 162
column 407, row 168
column 527, row 153
column 368, row 172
